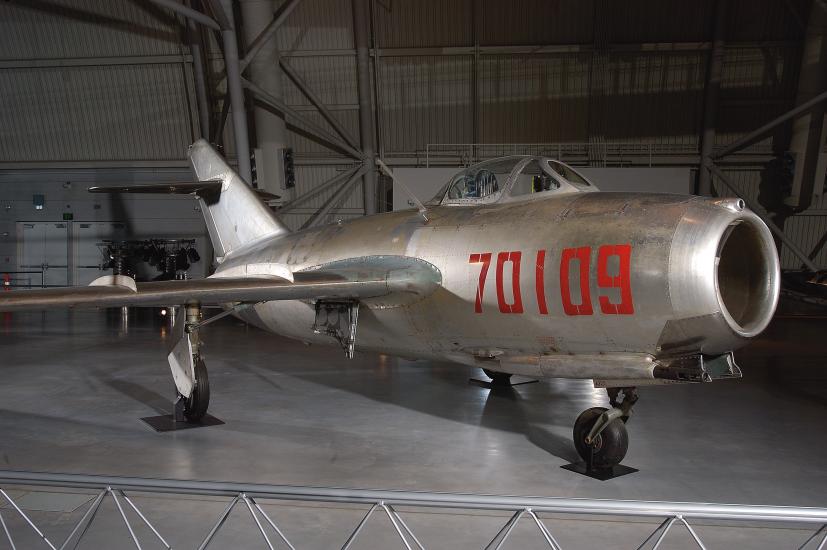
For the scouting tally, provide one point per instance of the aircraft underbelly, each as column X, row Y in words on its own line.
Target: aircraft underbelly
column 387, row 330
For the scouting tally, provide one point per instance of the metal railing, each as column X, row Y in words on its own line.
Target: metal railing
column 387, row 502
column 595, row 153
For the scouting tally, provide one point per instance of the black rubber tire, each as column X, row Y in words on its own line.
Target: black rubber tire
column 498, row 378
column 196, row 405
column 610, row 445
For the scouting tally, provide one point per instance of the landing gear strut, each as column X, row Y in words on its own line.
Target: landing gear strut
column 600, row 436
column 196, row 403
column 189, row 372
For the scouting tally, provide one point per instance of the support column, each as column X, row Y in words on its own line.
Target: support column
column 476, row 110
column 198, row 71
column 711, row 89
column 236, row 93
column 361, row 29
column 271, row 131
column 808, row 133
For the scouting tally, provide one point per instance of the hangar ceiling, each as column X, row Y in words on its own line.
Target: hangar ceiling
column 103, row 84
column 87, row 81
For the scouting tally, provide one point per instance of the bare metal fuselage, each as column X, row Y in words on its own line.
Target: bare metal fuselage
column 551, row 279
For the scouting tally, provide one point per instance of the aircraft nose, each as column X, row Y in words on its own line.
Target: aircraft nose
column 747, row 275
column 724, row 274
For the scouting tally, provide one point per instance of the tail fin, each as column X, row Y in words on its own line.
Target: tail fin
column 236, row 216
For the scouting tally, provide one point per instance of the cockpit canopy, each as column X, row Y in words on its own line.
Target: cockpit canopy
column 512, row 178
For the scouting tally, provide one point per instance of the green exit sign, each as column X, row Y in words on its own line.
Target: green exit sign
column 68, row 216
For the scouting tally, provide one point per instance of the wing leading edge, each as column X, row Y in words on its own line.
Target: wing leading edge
column 385, row 280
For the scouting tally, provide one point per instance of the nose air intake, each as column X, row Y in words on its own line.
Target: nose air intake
column 746, row 276
column 724, row 279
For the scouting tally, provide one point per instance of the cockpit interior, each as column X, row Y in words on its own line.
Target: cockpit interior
column 512, row 178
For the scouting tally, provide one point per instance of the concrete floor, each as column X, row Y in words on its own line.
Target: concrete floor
column 75, row 384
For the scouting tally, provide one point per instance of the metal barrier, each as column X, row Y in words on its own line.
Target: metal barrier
column 386, row 502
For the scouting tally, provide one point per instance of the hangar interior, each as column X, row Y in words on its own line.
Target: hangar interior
column 722, row 98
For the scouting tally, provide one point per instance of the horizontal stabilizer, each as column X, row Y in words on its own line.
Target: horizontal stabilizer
column 206, row 188
column 235, row 214
column 200, row 188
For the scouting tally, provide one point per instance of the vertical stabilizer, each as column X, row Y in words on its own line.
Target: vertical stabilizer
column 237, row 216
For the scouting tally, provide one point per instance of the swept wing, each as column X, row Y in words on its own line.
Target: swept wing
column 391, row 278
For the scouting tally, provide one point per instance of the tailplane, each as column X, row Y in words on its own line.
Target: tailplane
column 234, row 213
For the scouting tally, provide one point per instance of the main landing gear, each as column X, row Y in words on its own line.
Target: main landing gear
column 600, row 436
column 189, row 372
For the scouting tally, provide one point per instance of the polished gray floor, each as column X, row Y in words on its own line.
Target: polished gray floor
column 75, row 384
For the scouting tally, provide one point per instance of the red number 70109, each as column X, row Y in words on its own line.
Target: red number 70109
column 570, row 259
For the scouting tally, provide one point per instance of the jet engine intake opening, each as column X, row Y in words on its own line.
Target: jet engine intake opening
column 747, row 277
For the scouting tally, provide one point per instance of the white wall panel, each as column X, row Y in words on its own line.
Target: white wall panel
column 144, row 216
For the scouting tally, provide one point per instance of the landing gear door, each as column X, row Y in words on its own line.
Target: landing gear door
column 180, row 358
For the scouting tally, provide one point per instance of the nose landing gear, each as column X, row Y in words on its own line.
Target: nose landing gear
column 600, row 436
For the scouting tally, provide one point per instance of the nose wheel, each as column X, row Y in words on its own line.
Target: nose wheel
column 601, row 438
column 606, row 448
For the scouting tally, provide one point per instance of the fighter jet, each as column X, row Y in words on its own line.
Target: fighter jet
column 519, row 266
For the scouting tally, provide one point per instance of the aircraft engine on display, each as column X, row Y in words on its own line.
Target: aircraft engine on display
column 519, row 265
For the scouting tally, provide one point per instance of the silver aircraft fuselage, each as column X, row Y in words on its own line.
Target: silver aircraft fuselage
column 533, row 286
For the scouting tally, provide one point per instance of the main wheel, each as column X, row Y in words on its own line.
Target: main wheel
column 498, row 378
column 610, row 445
column 197, row 403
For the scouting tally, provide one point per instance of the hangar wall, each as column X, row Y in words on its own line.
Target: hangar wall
column 65, row 193
column 87, row 84
column 86, row 81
